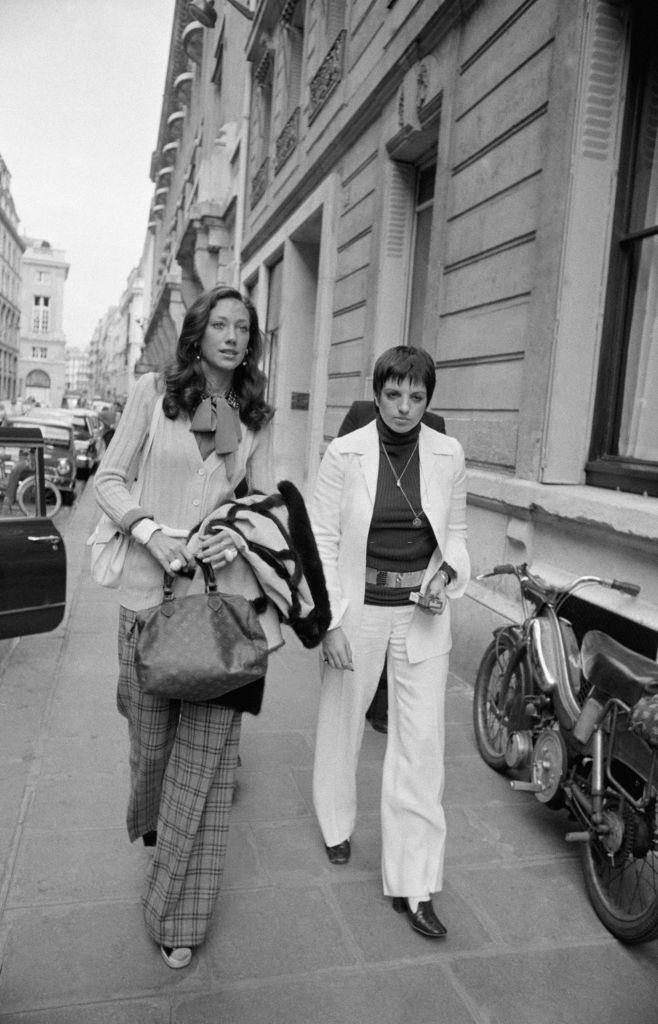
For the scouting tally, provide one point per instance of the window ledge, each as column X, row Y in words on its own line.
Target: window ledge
column 633, row 515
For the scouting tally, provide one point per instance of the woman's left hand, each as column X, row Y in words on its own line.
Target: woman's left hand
column 436, row 592
column 217, row 548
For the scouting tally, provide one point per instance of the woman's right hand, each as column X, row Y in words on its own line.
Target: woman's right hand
column 336, row 650
column 171, row 552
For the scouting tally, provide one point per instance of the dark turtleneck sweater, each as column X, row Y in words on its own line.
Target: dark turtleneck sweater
column 393, row 543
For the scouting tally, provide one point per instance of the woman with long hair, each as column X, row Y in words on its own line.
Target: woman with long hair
column 193, row 434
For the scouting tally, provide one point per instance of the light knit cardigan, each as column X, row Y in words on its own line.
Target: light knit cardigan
column 179, row 487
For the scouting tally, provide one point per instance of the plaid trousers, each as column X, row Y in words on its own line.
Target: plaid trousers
column 182, row 768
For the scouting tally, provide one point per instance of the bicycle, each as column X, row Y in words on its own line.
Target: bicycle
column 26, row 495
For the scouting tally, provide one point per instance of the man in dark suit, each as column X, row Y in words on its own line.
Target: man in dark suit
column 357, row 416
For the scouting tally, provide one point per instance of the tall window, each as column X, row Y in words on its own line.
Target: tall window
column 624, row 451
column 421, row 252
column 40, row 314
column 293, row 52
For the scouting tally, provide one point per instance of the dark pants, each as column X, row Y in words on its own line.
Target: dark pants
column 377, row 713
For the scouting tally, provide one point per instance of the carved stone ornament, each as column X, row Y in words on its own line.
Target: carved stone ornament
column 422, row 84
column 327, row 77
column 401, row 108
column 288, row 11
column 286, row 143
column 259, row 183
column 263, row 67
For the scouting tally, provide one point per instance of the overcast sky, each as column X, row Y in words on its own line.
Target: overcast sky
column 81, row 85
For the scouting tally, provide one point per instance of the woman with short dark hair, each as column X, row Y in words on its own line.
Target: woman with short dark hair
column 389, row 516
column 205, row 425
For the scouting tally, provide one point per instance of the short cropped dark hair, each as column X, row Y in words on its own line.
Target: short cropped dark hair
column 402, row 362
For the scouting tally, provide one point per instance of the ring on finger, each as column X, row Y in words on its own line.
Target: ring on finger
column 175, row 565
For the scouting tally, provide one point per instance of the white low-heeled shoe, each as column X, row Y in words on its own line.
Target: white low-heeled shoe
column 176, row 956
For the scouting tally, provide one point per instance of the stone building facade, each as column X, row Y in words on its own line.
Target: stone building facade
column 42, row 359
column 477, row 177
column 11, row 251
column 197, row 171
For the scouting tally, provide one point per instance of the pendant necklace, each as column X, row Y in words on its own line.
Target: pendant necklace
column 416, row 522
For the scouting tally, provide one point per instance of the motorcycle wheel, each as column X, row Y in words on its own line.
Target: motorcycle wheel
column 492, row 697
column 623, row 887
column 27, row 498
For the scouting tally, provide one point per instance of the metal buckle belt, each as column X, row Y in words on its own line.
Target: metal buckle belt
column 382, row 578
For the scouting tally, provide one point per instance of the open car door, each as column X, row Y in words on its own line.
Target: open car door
column 32, row 555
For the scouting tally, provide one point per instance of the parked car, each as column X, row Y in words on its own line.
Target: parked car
column 32, row 553
column 88, row 432
column 60, row 460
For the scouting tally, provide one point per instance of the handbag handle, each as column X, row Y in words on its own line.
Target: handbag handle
column 210, row 582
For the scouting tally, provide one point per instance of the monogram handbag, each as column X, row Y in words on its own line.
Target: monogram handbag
column 109, row 545
column 201, row 646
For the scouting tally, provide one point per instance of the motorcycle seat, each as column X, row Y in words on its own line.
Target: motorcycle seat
column 616, row 671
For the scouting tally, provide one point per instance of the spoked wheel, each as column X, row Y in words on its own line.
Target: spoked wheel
column 495, row 690
column 27, row 497
column 621, row 873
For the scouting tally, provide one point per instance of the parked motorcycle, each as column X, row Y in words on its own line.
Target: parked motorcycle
column 580, row 727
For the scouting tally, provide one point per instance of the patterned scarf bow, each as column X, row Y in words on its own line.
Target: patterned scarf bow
column 215, row 415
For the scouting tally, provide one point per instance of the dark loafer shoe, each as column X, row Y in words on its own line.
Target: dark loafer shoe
column 339, row 854
column 423, row 920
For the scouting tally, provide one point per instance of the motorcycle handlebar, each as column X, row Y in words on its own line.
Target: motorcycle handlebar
column 627, row 588
column 498, row 570
column 507, row 569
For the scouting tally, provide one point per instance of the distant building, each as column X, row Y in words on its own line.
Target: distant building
column 11, row 250
column 100, row 354
column 116, row 343
column 131, row 310
column 198, row 171
column 77, row 377
column 42, row 360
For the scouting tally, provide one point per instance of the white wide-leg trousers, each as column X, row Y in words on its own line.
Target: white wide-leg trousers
column 413, row 822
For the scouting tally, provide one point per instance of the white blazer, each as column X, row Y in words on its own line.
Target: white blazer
column 341, row 511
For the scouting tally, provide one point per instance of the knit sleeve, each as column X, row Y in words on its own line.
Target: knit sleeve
column 260, row 464
column 118, row 467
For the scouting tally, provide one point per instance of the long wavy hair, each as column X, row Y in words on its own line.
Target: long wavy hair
column 184, row 380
